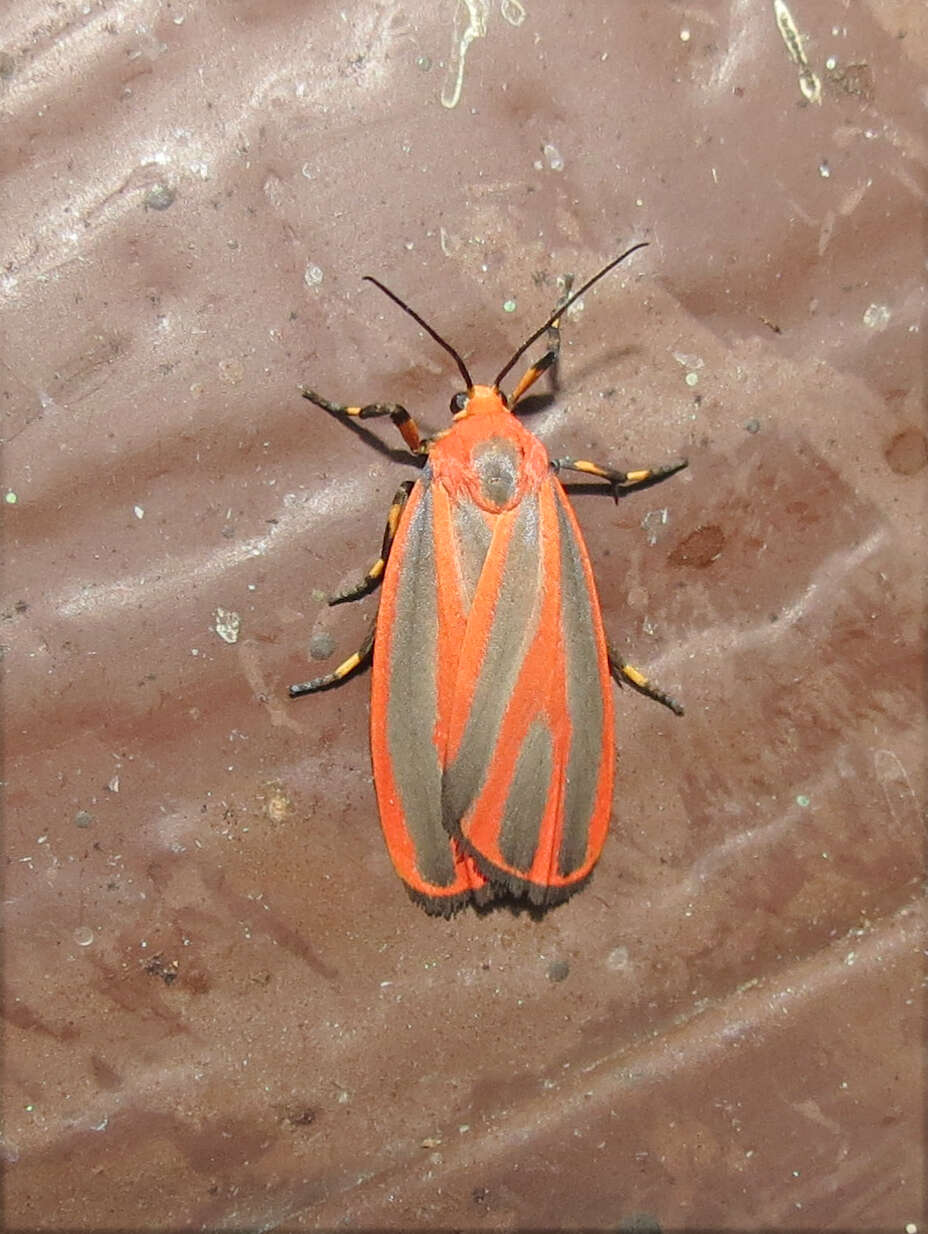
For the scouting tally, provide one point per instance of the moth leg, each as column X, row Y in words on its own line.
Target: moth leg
column 370, row 580
column 618, row 480
column 345, row 669
column 626, row 673
column 375, row 573
column 407, row 426
column 551, row 355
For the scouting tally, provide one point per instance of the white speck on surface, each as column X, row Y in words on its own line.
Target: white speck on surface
column 617, row 959
column 138, row 511
column 651, row 523
column 552, row 156
column 83, row 936
column 685, row 35
column 227, row 624
column 823, row 169
column 312, row 275
column 877, row 316
column 691, row 379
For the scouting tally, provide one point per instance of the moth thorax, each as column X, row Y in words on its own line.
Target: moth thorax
column 497, row 463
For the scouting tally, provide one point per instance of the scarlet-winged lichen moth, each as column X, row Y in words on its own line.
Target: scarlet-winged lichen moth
column 491, row 704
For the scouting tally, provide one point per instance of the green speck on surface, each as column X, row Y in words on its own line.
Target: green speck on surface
column 803, row 800
column 10, row 498
column 509, row 306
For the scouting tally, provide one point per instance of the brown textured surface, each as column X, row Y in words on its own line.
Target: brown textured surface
column 221, row 1008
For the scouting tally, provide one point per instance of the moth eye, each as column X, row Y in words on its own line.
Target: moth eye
column 458, row 402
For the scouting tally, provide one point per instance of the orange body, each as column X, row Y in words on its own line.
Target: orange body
column 491, row 706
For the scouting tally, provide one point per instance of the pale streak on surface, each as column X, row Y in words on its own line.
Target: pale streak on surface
column 476, row 28
column 744, row 34
column 901, row 800
column 702, row 1037
column 477, row 12
column 57, row 237
column 276, row 704
column 835, row 565
column 171, row 576
column 723, row 639
column 809, row 84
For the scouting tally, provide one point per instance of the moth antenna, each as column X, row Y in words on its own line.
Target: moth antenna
column 426, row 327
column 643, row 244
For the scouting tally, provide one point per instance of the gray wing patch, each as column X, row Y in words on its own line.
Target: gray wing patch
column 584, row 699
column 510, row 635
column 527, row 797
column 472, row 536
column 413, row 699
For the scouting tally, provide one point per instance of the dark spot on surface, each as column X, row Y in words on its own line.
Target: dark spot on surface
column 157, row 966
column 854, row 79
column 299, row 1116
column 907, row 453
column 82, row 819
column 752, row 426
column 639, row 1223
column 700, row 548
column 105, row 1076
column 197, row 981
column 321, row 645
column 558, row 970
column 159, row 197
column 479, row 1195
